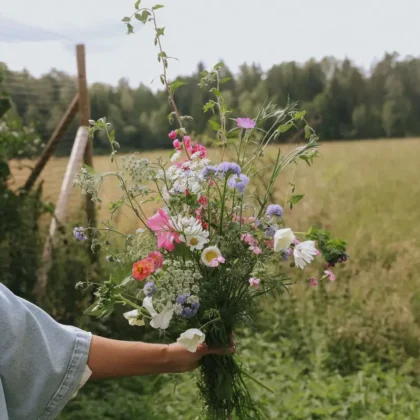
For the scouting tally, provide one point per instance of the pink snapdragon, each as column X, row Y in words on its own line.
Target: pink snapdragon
column 187, row 143
column 199, row 148
column 162, row 226
column 255, row 249
column 172, row 135
column 177, row 144
column 330, row 275
column 249, row 239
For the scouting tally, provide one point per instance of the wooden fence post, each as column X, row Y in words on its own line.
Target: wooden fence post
column 84, row 115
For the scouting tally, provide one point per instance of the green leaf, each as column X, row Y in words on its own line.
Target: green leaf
column 294, row 199
column 160, row 31
column 218, row 66
column 284, row 127
column 130, row 29
column 216, row 92
column 176, row 84
column 158, row 6
column 137, row 4
column 142, row 17
column 214, row 125
column 299, row 115
column 126, row 19
column 209, row 105
column 89, row 169
column 225, row 79
column 307, row 131
column 293, row 186
column 162, row 79
column 92, row 311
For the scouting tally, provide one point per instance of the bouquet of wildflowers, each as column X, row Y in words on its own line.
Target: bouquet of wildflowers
column 215, row 245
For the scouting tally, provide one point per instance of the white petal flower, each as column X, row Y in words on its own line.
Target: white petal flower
column 191, row 339
column 133, row 318
column 304, row 253
column 209, row 254
column 282, row 239
column 196, row 241
column 162, row 320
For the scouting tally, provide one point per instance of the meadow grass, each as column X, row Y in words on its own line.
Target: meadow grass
column 348, row 349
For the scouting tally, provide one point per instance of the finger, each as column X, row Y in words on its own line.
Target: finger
column 222, row 351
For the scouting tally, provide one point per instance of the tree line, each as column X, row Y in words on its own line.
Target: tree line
column 342, row 100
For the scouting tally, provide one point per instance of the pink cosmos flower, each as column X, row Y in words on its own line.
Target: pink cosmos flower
column 254, row 282
column 245, row 123
column 330, row 275
column 255, row 250
column 313, row 282
column 166, row 234
column 177, row 144
column 172, row 135
column 157, row 258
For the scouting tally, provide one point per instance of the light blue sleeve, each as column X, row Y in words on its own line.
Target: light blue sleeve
column 41, row 362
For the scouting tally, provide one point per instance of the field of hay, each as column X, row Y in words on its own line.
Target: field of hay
column 348, row 349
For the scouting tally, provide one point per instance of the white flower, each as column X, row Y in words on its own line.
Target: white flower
column 304, row 253
column 211, row 254
column 176, row 156
column 193, row 233
column 162, row 320
column 191, row 339
column 133, row 318
column 196, row 241
column 282, row 239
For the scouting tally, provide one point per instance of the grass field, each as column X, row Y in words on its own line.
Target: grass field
column 349, row 349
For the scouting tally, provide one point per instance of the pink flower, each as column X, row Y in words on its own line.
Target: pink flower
column 269, row 243
column 317, row 253
column 216, row 261
column 187, row 143
column 252, row 219
column 330, row 275
column 249, row 239
column 142, row 269
column 199, row 148
column 157, row 257
column 255, row 250
column 172, row 135
column 203, row 201
column 254, row 282
column 313, row 282
column 245, row 123
column 177, row 144
column 296, row 241
column 166, row 234
column 237, row 218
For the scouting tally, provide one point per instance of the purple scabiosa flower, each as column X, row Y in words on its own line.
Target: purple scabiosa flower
column 182, row 299
column 208, row 171
column 245, row 123
column 79, row 233
column 190, row 312
column 274, row 210
column 149, row 288
column 239, row 182
column 229, row 168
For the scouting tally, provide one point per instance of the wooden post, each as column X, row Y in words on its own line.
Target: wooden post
column 52, row 142
column 84, row 115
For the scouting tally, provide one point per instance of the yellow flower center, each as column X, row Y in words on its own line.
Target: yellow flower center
column 211, row 255
column 193, row 241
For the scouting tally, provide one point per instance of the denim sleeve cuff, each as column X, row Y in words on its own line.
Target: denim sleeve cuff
column 73, row 376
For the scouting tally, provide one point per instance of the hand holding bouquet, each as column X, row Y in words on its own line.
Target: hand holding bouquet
column 215, row 244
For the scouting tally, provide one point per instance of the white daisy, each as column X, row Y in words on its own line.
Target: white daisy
column 304, row 253
column 211, row 255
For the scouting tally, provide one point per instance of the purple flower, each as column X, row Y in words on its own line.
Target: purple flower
column 245, row 123
column 208, row 171
column 286, row 254
column 182, row 299
column 190, row 312
column 239, row 182
column 274, row 210
column 271, row 230
column 79, row 233
column 229, row 168
column 149, row 288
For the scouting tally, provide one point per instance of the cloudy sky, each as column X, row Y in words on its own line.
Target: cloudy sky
column 39, row 35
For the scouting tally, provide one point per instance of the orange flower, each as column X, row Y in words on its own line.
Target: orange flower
column 143, row 268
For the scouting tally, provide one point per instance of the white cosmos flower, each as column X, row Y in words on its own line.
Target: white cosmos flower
column 162, row 320
column 304, row 253
column 133, row 318
column 210, row 254
column 282, row 239
column 191, row 339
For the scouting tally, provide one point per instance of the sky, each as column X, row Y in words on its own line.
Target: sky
column 40, row 35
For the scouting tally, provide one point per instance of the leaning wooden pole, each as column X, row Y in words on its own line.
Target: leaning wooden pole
column 53, row 142
column 84, row 116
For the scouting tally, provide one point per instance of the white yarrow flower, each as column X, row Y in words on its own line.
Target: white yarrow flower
column 282, row 239
column 162, row 320
column 304, row 253
column 191, row 339
column 133, row 318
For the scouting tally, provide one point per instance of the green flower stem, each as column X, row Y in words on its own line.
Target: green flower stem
column 223, row 206
column 140, row 308
column 210, row 322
